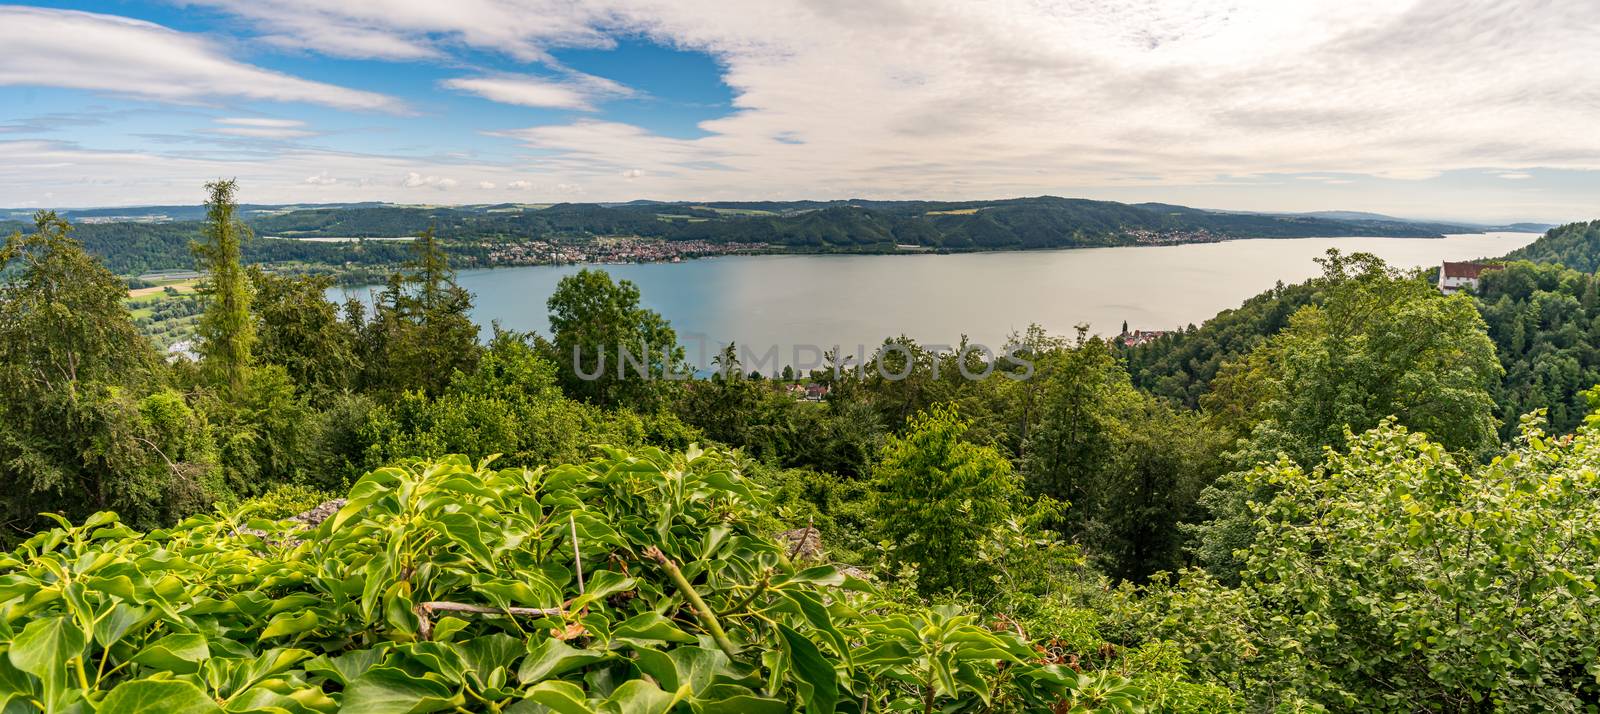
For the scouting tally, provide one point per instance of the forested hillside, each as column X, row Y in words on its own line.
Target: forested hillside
column 129, row 247
column 1342, row 496
column 1543, row 318
column 1576, row 246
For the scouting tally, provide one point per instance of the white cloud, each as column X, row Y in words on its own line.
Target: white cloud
column 1515, row 176
column 261, row 122
column 116, row 55
column 519, row 185
column 322, row 179
column 262, row 128
column 632, row 174
column 416, row 180
column 579, row 92
column 414, row 29
column 486, row 185
column 1202, row 101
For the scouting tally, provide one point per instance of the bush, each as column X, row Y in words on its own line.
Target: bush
column 444, row 585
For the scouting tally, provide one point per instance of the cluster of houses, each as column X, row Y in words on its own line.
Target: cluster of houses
column 612, row 250
column 1139, row 337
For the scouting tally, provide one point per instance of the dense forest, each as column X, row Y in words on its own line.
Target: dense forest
column 1576, row 246
column 130, row 248
column 1353, row 494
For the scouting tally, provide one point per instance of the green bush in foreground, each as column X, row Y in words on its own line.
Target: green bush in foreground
column 448, row 586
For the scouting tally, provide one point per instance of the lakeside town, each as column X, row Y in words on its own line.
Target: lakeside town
column 611, row 249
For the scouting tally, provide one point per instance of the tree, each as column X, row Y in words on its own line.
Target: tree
column 938, row 497
column 76, row 436
column 421, row 332
column 300, row 329
column 1130, row 466
column 226, row 330
column 1395, row 576
column 597, row 326
column 1382, row 343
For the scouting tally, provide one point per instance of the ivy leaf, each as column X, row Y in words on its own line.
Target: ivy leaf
column 387, row 690
column 286, row 623
column 552, row 657
column 560, row 697
column 602, row 584
column 638, row 696
column 152, row 696
column 181, row 653
column 651, row 626
column 43, row 648
column 114, row 624
column 819, row 683
column 743, row 704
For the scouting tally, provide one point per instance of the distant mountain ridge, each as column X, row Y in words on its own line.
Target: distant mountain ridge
column 151, row 237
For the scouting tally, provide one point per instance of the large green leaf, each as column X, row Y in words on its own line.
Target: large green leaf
column 180, row 653
column 112, row 625
column 552, row 658
column 148, row 696
column 560, row 697
column 288, row 623
column 43, row 649
column 652, row 626
column 387, row 690
column 819, row 683
column 637, row 696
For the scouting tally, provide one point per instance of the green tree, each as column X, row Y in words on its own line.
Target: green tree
column 76, row 437
column 938, row 497
column 1397, row 577
column 226, row 330
column 300, row 329
column 421, row 332
column 1382, row 343
column 596, row 327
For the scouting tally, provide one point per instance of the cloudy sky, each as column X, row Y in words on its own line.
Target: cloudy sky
column 1466, row 109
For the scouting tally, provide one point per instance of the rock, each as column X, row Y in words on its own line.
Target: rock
column 316, row 516
column 803, row 543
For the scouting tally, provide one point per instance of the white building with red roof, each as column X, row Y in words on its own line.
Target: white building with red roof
column 1455, row 276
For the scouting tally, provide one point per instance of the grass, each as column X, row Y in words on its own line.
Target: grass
column 954, row 212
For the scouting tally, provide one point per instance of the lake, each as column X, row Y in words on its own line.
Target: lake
column 850, row 300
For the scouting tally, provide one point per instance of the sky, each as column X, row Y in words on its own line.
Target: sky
column 1484, row 110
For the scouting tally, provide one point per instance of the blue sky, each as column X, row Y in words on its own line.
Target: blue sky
column 1469, row 109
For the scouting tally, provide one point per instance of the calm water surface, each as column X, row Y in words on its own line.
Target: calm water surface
column 850, row 300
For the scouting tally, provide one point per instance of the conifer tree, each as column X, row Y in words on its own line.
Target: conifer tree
column 226, row 330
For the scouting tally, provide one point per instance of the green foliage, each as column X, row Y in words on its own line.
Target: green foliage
column 227, row 334
column 509, row 404
column 1575, row 245
column 1130, row 465
column 1545, row 323
column 1395, row 577
column 609, row 350
column 77, row 437
column 938, row 497
column 1180, row 366
column 286, row 500
column 1382, row 344
column 299, row 329
column 421, row 331
column 361, row 614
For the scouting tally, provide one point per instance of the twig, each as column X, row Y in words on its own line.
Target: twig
column 577, row 557
column 707, row 618
column 425, row 623
column 801, row 541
